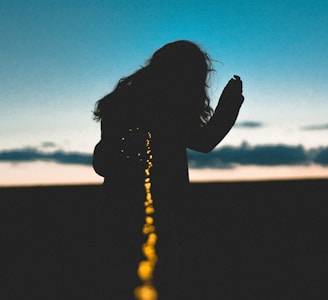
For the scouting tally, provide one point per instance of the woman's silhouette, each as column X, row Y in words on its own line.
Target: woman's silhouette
column 167, row 98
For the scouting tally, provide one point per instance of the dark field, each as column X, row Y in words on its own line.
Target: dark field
column 260, row 240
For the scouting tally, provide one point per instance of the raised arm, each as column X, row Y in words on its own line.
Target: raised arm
column 205, row 139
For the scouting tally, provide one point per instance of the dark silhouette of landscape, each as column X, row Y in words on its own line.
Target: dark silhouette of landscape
column 259, row 240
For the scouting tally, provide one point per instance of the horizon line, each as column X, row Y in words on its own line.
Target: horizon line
column 221, row 181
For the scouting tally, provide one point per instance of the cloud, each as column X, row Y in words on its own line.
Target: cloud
column 261, row 155
column 47, row 144
column 32, row 154
column 315, row 127
column 224, row 157
column 321, row 156
column 249, row 124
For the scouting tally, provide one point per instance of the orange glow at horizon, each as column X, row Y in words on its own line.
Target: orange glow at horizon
column 50, row 173
column 259, row 173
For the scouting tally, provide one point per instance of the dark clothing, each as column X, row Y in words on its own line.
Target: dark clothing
column 123, row 133
column 120, row 157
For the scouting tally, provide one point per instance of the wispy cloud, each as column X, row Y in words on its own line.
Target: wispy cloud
column 48, row 144
column 224, row 157
column 315, row 127
column 249, row 124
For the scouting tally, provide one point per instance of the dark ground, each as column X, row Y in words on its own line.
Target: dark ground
column 261, row 240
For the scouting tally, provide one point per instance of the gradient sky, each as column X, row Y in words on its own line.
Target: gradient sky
column 58, row 57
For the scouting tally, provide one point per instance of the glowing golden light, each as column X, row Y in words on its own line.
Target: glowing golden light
column 149, row 210
column 146, row 267
column 146, row 292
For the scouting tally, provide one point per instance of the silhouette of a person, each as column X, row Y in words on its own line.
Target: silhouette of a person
column 168, row 98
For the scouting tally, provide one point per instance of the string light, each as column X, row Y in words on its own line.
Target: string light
column 146, row 267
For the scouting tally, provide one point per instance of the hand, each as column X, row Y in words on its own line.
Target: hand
column 232, row 93
column 231, row 99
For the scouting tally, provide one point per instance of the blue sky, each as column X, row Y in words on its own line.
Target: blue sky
column 58, row 57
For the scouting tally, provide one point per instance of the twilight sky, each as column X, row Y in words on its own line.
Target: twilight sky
column 58, row 57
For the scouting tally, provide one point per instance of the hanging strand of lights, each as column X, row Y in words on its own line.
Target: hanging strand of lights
column 145, row 272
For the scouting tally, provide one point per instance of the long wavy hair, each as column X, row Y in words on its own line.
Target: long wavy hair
column 175, row 77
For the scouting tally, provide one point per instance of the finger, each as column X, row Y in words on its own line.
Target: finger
column 237, row 79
